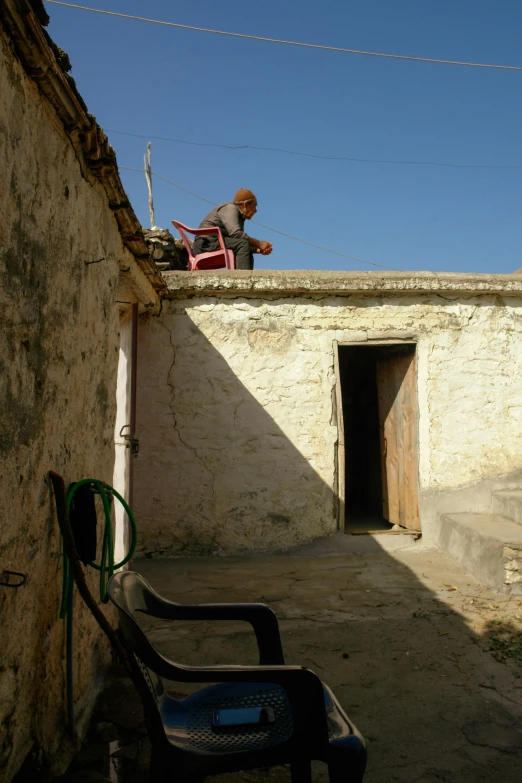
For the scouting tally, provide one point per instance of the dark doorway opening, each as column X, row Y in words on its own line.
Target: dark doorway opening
column 378, row 393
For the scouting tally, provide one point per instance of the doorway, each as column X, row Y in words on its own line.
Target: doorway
column 377, row 395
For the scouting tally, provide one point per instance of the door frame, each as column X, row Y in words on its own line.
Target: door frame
column 339, row 456
column 125, row 424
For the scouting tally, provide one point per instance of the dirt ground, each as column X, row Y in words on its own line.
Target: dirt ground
column 427, row 662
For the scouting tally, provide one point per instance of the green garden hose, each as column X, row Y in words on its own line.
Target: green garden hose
column 107, row 565
column 106, row 568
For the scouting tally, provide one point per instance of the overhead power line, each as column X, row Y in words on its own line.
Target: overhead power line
column 340, row 49
column 445, row 227
column 269, row 228
column 314, row 155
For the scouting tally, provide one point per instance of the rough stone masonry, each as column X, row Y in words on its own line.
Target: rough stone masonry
column 237, row 416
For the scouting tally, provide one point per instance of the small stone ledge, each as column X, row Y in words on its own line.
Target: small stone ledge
column 293, row 283
column 489, row 546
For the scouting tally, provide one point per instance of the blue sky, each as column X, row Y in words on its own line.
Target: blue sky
column 158, row 81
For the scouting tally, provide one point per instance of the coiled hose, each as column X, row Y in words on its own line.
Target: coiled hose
column 106, row 568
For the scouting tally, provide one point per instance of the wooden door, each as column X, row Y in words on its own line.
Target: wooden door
column 397, row 400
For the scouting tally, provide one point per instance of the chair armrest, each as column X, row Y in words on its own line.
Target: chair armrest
column 199, row 232
column 211, row 230
column 261, row 618
column 303, row 687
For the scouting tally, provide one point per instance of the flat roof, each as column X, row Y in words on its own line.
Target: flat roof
column 297, row 282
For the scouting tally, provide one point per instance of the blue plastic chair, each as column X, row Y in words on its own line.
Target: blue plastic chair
column 307, row 721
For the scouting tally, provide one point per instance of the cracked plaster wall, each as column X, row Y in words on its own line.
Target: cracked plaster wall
column 58, row 364
column 237, row 422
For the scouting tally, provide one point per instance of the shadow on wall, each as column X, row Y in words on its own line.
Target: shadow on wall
column 216, row 473
column 232, row 466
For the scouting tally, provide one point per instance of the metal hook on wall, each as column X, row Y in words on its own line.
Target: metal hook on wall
column 98, row 260
column 6, row 581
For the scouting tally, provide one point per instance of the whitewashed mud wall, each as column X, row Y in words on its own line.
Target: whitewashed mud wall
column 58, row 365
column 237, row 423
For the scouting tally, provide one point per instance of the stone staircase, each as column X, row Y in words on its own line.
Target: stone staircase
column 489, row 546
column 508, row 503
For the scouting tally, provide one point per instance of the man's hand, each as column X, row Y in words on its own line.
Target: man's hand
column 265, row 248
column 260, row 246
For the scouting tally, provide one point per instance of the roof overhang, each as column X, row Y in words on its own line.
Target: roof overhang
column 313, row 283
column 22, row 21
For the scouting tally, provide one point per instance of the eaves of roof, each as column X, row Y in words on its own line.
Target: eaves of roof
column 23, row 21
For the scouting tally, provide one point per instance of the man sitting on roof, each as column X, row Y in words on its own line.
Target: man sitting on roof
column 230, row 218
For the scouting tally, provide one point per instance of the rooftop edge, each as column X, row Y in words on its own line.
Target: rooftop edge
column 295, row 282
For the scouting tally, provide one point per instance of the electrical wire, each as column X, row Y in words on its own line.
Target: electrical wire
column 336, row 252
column 269, row 228
column 314, row 155
column 444, row 227
column 287, row 43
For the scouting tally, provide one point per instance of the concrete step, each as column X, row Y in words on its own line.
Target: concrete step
column 343, row 544
column 489, row 546
column 508, row 503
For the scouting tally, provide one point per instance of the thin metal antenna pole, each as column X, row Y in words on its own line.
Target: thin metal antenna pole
column 148, row 176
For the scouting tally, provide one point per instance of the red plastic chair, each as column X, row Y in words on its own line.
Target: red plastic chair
column 217, row 259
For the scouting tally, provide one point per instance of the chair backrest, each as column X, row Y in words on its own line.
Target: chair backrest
column 182, row 231
column 216, row 259
column 130, row 593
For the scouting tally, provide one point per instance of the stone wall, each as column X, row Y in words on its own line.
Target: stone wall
column 236, row 395
column 58, row 363
column 167, row 252
column 512, row 565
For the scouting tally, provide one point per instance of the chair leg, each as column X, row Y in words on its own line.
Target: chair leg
column 159, row 769
column 339, row 774
column 301, row 771
column 341, row 769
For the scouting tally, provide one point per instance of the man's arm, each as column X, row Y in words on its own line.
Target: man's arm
column 265, row 248
column 230, row 217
